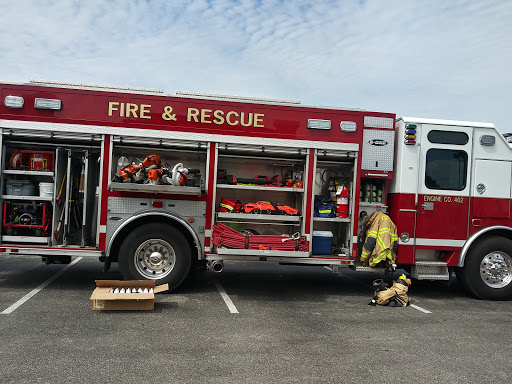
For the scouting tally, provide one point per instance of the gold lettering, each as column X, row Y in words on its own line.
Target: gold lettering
column 219, row 117
column 258, row 120
column 249, row 120
column 112, row 106
column 144, row 109
column 205, row 114
column 121, row 110
column 192, row 114
column 228, row 115
column 131, row 109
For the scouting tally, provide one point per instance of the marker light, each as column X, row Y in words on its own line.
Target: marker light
column 410, row 134
column 319, row 124
column 14, row 101
column 487, row 140
column 348, row 126
column 54, row 104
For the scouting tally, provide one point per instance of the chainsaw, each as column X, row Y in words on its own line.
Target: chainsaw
column 136, row 172
column 176, row 176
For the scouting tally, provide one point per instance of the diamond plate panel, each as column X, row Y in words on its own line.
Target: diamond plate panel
column 378, row 150
column 124, row 208
column 378, row 122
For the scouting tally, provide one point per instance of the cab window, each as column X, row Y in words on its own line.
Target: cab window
column 448, row 137
column 446, row 169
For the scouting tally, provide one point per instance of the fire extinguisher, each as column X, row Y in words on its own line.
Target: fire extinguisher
column 342, row 202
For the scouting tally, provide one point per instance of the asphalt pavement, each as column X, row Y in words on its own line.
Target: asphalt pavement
column 252, row 323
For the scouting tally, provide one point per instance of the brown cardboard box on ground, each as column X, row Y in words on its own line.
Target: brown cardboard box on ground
column 103, row 300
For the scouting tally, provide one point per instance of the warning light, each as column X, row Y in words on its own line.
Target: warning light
column 410, row 134
column 14, row 101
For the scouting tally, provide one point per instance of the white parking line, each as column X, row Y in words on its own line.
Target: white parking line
column 29, row 295
column 351, row 278
column 420, row 309
column 225, row 297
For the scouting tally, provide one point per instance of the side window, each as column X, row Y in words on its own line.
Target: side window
column 448, row 137
column 446, row 169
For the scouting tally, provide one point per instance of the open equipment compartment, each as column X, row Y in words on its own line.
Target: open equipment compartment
column 335, row 177
column 43, row 181
column 269, row 183
column 147, row 165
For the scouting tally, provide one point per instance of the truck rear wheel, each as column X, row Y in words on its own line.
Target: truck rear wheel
column 155, row 252
column 487, row 272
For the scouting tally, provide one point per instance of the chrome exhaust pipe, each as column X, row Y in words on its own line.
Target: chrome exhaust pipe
column 216, row 266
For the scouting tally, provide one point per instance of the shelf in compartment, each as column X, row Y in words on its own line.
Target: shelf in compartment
column 333, row 219
column 149, row 188
column 26, row 239
column 375, row 205
column 259, row 217
column 257, row 252
column 26, row 198
column 259, row 188
column 28, row 173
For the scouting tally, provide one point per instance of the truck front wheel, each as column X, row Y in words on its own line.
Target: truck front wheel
column 487, row 272
column 157, row 252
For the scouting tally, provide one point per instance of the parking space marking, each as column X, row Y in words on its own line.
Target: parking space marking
column 420, row 309
column 29, row 295
column 351, row 278
column 225, row 297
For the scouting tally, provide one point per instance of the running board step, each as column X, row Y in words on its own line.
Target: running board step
column 430, row 270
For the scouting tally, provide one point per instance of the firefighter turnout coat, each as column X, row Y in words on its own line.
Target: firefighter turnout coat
column 381, row 241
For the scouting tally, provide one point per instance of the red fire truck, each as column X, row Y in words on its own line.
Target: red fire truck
column 157, row 183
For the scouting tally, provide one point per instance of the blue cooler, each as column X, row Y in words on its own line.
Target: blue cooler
column 322, row 242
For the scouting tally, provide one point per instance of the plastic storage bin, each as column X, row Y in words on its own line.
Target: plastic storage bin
column 46, row 189
column 322, row 242
column 20, row 188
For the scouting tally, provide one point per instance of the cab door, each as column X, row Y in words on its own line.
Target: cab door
column 443, row 187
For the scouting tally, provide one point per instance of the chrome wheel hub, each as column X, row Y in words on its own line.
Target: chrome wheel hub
column 155, row 258
column 496, row 269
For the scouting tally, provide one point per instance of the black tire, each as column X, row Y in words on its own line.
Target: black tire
column 487, row 272
column 157, row 252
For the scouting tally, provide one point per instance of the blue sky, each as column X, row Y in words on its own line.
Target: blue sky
column 435, row 59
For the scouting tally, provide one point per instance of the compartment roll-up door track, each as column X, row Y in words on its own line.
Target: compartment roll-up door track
column 166, row 142
column 50, row 135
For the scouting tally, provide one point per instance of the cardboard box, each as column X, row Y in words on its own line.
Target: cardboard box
column 103, row 300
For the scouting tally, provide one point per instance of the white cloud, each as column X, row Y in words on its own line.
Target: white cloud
column 432, row 59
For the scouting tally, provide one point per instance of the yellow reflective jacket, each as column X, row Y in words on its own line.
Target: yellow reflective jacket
column 381, row 241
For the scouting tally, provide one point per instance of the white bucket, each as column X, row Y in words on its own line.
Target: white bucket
column 46, row 189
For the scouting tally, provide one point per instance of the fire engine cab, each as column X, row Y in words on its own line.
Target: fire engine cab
column 164, row 184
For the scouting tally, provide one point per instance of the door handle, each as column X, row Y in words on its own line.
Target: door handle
column 476, row 222
column 428, row 206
